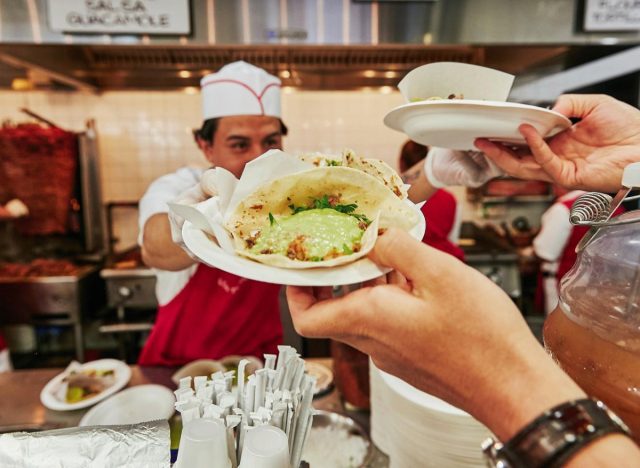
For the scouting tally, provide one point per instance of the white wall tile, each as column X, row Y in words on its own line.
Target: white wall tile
column 143, row 135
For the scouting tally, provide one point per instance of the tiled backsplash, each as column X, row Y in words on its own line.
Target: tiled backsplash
column 145, row 134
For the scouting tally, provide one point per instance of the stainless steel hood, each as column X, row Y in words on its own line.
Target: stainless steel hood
column 337, row 22
column 95, row 68
column 311, row 44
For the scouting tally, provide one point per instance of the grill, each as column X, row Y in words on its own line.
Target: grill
column 52, row 300
column 50, row 276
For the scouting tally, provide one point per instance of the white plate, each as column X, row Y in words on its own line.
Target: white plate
column 134, row 405
column 415, row 396
column 122, row 375
column 361, row 270
column 456, row 124
column 323, row 375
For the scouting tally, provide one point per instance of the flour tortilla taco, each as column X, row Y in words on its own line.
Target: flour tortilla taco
column 325, row 216
column 374, row 167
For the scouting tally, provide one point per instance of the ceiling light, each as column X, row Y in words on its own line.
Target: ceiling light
column 190, row 90
column 21, row 84
column 369, row 73
column 391, row 74
column 285, row 74
column 184, row 74
column 609, row 40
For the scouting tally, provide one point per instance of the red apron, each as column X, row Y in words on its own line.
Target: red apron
column 216, row 314
column 440, row 212
column 568, row 257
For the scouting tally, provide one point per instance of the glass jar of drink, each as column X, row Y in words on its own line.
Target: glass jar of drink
column 594, row 334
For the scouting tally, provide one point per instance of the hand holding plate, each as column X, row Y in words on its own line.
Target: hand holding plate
column 590, row 155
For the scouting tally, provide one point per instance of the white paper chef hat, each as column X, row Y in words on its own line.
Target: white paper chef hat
column 240, row 89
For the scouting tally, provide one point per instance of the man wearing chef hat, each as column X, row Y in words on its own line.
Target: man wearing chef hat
column 205, row 312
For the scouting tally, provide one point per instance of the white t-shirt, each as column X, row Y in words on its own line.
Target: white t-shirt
column 154, row 201
column 555, row 230
column 549, row 244
column 5, row 361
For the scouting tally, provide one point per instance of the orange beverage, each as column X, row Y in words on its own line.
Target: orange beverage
column 605, row 362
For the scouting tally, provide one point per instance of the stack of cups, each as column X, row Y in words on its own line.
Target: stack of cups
column 203, row 445
column 265, row 447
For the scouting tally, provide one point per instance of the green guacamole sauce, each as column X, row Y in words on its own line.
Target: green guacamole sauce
column 326, row 232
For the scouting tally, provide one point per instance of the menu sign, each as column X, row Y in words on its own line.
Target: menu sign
column 612, row 15
column 120, row 16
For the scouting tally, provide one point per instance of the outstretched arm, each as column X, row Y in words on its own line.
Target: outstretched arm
column 448, row 330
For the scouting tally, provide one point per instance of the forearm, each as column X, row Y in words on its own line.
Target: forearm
column 537, row 388
column 159, row 250
column 521, row 388
column 420, row 189
column 611, row 451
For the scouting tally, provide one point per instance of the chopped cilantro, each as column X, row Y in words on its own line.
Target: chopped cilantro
column 333, row 162
column 297, row 209
column 361, row 217
column 272, row 220
column 315, row 259
column 347, row 209
column 346, row 249
column 324, row 202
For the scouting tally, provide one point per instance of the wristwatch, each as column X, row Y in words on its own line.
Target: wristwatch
column 553, row 437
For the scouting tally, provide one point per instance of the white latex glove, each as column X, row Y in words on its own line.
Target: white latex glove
column 445, row 167
column 193, row 195
column 14, row 209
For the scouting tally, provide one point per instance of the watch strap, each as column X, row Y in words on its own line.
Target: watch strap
column 556, row 435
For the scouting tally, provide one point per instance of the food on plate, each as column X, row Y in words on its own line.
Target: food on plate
column 38, row 267
column 86, row 383
column 321, row 230
column 374, row 167
column 438, row 98
column 325, row 216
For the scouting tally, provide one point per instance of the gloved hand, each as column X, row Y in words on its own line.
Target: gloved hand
column 445, row 167
column 13, row 209
column 193, row 195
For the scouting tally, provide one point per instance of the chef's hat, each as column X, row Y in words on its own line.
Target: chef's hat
column 240, row 89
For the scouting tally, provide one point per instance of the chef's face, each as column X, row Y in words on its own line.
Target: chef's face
column 240, row 139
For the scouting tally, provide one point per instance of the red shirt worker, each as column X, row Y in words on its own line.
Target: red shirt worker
column 440, row 210
column 205, row 312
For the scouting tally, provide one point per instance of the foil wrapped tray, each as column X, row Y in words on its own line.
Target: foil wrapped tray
column 144, row 445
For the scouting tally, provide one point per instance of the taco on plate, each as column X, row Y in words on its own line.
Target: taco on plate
column 325, row 216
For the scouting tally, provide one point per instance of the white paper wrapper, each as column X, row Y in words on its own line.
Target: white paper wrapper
column 442, row 79
column 219, row 251
column 144, row 445
column 232, row 191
